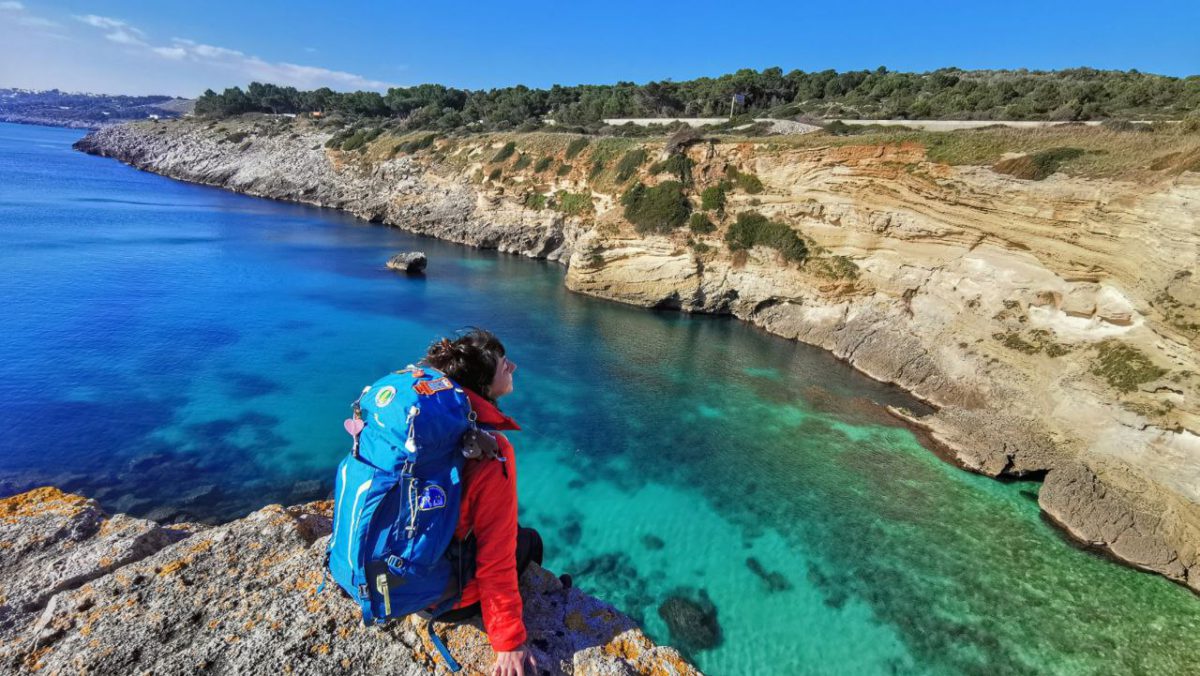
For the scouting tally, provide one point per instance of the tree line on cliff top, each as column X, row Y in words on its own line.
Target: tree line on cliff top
column 951, row 93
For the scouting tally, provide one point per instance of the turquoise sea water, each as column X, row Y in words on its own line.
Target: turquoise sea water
column 187, row 353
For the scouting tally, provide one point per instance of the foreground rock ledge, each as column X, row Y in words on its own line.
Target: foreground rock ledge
column 85, row 592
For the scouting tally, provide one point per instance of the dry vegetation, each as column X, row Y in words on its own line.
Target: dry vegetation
column 1134, row 152
column 1168, row 149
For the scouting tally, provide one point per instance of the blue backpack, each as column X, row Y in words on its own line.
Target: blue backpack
column 397, row 496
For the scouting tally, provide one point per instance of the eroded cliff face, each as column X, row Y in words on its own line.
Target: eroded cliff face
column 85, row 592
column 1052, row 323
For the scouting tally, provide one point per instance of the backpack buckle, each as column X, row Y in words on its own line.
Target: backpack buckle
column 394, row 562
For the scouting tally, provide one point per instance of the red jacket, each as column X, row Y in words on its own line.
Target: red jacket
column 489, row 509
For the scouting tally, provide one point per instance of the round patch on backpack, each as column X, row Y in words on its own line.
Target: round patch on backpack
column 432, row 497
column 385, row 396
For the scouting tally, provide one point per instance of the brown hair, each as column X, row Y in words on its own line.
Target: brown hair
column 470, row 360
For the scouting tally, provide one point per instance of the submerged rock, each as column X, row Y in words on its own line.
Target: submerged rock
column 82, row 591
column 412, row 262
column 774, row 579
column 653, row 542
column 691, row 621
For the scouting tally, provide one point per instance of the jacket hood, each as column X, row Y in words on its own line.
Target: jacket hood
column 486, row 413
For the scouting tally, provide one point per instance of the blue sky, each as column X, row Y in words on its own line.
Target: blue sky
column 182, row 48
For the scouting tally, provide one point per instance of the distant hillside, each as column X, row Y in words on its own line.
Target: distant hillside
column 947, row 94
column 85, row 111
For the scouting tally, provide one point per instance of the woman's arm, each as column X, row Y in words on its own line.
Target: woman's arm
column 495, row 516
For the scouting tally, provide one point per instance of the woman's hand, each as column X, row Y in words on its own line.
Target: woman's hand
column 512, row 663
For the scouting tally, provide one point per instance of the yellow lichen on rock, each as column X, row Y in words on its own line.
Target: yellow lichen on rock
column 47, row 500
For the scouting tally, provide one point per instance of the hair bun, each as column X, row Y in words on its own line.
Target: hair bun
column 471, row 359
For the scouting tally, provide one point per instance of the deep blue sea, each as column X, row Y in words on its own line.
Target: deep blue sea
column 186, row 353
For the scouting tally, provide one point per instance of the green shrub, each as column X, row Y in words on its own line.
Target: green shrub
column 1057, row 350
column 523, row 161
column 1124, row 367
column 753, row 229
column 1037, row 166
column 1013, row 341
column 713, row 199
column 335, row 141
column 505, row 152
column 356, row 140
column 542, row 165
column 535, row 201
column 417, row 144
column 679, row 165
column 749, row 183
column 573, row 204
column 495, row 175
column 659, row 209
column 597, row 169
column 563, row 170
column 629, row 164
column 575, row 147
column 834, row 267
column 700, row 224
column 237, row 137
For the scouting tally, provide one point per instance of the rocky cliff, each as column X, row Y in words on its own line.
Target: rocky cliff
column 85, row 592
column 1053, row 324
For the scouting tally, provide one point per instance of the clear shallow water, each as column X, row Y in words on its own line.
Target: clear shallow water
column 187, row 353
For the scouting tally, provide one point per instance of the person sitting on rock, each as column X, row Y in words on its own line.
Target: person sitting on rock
column 476, row 360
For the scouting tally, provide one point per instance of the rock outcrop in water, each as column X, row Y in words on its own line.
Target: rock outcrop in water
column 692, row 620
column 84, row 592
column 412, row 262
column 1053, row 324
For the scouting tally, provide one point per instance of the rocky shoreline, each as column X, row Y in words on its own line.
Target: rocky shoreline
column 85, row 592
column 989, row 297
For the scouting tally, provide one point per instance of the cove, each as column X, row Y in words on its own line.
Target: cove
column 186, row 353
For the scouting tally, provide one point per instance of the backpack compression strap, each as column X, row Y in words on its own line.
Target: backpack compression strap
column 451, row 664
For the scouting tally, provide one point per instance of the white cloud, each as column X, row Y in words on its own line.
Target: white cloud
column 23, row 18
column 311, row 77
column 37, row 22
column 106, row 22
column 124, row 38
column 119, row 31
column 255, row 68
column 171, row 52
column 211, row 52
column 143, row 64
